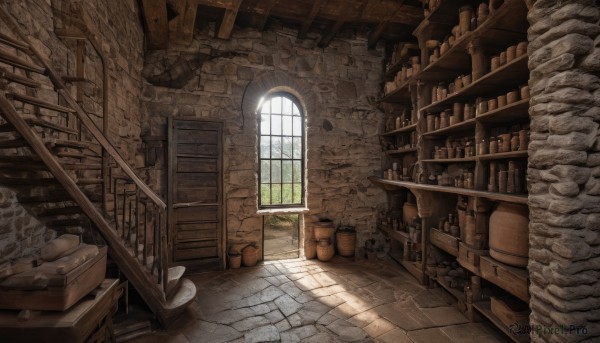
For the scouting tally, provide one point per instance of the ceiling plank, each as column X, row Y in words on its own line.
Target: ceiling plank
column 375, row 34
column 266, row 7
column 228, row 21
column 340, row 21
column 181, row 28
column 155, row 15
column 316, row 7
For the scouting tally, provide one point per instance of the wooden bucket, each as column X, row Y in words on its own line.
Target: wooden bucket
column 325, row 250
column 249, row 256
column 323, row 230
column 346, row 243
column 235, row 261
column 509, row 234
column 310, row 249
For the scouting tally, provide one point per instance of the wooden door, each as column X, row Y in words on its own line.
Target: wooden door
column 195, row 192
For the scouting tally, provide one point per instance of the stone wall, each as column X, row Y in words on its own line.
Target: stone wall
column 224, row 79
column 20, row 233
column 564, row 170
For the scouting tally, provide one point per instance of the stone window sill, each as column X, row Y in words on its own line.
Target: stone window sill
column 287, row 210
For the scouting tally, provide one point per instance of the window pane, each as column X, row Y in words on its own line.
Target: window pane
column 287, row 194
column 264, row 147
column 286, row 172
column 297, row 126
column 297, row 147
column 266, row 107
column 297, row 171
column 287, row 106
column 265, row 171
column 287, row 125
column 295, row 110
column 265, row 124
column 275, row 124
column 275, row 147
column 287, row 147
column 297, row 193
column 276, row 105
column 276, row 171
column 276, row 194
column 265, row 195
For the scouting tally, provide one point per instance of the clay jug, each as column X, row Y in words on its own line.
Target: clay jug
column 509, row 234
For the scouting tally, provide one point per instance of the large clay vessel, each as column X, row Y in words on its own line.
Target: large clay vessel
column 509, row 234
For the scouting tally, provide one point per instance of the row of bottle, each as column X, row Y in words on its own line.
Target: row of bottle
column 506, row 142
column 507, row 178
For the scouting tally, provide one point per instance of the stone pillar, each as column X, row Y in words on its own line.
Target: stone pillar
column 564, row 170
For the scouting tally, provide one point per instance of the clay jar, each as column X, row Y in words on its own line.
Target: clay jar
column 525, row 92
column 511, row 97
column 521, row 49
column 495, row 64
column 465, row 13
column 501, row 101
column 482, row 13
column 511, row 53
column 409, row 213
column 509, row 234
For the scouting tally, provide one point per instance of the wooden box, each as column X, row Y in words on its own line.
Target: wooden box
column 63, row 290
column 469, row 258
column 444, row 241
column 508, row 312
column 511, row 279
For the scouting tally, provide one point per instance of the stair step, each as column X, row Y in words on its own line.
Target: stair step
column 131, row 329
column 40, row 103
column 60, row 211
column 183, row 297
column 15, row 181
column 19, row 62
column 75, row 154
column 53, row 142
column 69, row 222
column 82, row 166
column 89, row 181
column 25, row 81
column 8, row 127
column 15, row 43
column 55, row 197
column 175, row 274
column 13, row 143
column 19, row 159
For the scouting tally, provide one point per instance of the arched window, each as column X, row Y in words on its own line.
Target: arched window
column 281, row 152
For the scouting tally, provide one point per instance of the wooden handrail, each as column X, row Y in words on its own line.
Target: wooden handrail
column 82, row 115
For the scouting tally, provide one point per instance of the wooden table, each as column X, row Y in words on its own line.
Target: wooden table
column 89, row 320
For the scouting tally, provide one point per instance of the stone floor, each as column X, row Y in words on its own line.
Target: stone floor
column 280, row 243
column 311, row 301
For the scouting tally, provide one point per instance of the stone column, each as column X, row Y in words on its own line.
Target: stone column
column 564, row 170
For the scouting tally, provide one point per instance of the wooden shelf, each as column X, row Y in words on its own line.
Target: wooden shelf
column 456, row 128
column 397, row 235
column 401, row 94
column 453, row 291
column 444, row 241
column 485, row 309
column 517, row 111
column 413, row 268
column 449, row 160
column 512, row 198
column 400, row 151
column 405, row 129
column 441, row 19
column 505, row 78
column 512, row 279
column 503, row 155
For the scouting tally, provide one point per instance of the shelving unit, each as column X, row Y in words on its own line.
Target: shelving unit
column 469, row 54
column 485, row 309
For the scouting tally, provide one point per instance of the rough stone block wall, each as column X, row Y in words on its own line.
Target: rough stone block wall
column 564, row 171
column 209, row 79
column 20, row 233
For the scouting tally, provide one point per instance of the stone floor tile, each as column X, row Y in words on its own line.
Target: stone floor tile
column 325, row 291
column 321, row 337
column 291, row 289
column 274, row 316
column 359, row 279
column 299, row 333
column 405, row 318
column 312, row 311
column 231, row 316
column 297, row 276
column 395, row 336
column 331, row 300
column 346, row 331
column 250, row 323
column 267, row 333
column 327, row 319
column 379, row 327
column 364, row 318
column 283, row 325
column 307, row 283
column 260, row 309
column 429, row 335
column 473, row 333
column 209, row 332
column 442, row 316
column 325, row 279
column 295, row 320
column 429, row 299
column 287, row 305
column 304, row 297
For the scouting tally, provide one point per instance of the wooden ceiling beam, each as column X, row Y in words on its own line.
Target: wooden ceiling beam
column 228, row 21
column 155, row 16
column 316, row 7
column 181, row 28
column 376, row 33
column 340, row 21
column 266, row 7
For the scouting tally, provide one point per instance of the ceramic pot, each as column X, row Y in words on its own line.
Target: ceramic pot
column 409, row 212
column 310, row 249
column 323, row 230
column 465, row 13
column 509, row 234
column 345, row 242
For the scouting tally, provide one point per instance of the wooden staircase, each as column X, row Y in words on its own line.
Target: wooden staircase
column 51, row 153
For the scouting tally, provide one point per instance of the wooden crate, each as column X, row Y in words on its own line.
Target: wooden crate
column 513, row 280
column 501, row 307
column 469, row 258
column 444, row 241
